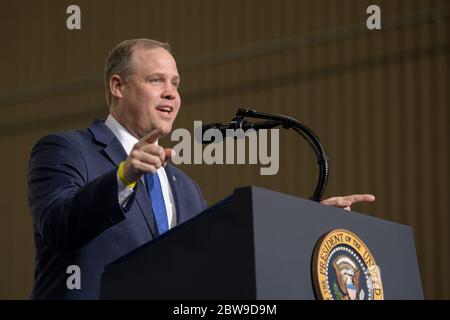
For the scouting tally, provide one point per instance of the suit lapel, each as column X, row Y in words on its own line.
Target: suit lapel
column 115, row 153
column 113, row 150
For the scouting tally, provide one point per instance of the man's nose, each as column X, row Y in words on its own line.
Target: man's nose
column 168, row 92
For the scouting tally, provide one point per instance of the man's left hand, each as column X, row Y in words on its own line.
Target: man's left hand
column 346, row 201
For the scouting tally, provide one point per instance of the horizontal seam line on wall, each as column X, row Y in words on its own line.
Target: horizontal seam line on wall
column 260, row 84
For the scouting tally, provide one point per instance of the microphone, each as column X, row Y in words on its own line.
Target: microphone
column 236, row 125
column 275, row 120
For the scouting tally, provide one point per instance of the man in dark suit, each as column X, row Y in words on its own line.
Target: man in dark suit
column 97, row 194
column 90, row 191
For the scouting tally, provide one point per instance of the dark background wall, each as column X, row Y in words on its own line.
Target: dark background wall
column 377, row 99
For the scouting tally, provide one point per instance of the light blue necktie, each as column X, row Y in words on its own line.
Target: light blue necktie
column 154, row 191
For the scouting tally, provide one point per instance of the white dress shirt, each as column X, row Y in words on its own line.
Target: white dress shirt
column 128, row 141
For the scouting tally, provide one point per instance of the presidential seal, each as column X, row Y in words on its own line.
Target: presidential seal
column 345, row 269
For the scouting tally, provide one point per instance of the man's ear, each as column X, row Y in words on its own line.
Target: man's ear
column 116, row 83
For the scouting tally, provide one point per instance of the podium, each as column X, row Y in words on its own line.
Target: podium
column 257, row 244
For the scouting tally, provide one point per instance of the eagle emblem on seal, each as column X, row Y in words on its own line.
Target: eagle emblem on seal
column 347, row 274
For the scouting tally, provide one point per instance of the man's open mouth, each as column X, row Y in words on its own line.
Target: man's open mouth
column 165, row 109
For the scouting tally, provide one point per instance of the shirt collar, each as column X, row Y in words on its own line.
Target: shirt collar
column 122, row 134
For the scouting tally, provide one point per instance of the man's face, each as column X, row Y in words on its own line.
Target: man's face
column 150, row 98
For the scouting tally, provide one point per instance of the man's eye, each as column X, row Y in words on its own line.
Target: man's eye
column 156, row 80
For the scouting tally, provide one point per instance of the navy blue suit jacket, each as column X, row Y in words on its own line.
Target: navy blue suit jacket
column 77, row 218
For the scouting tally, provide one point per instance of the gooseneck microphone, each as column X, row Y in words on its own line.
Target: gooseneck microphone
column 244, row 125
column 272, row 121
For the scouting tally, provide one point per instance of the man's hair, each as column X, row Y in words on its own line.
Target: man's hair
column 118, row 60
